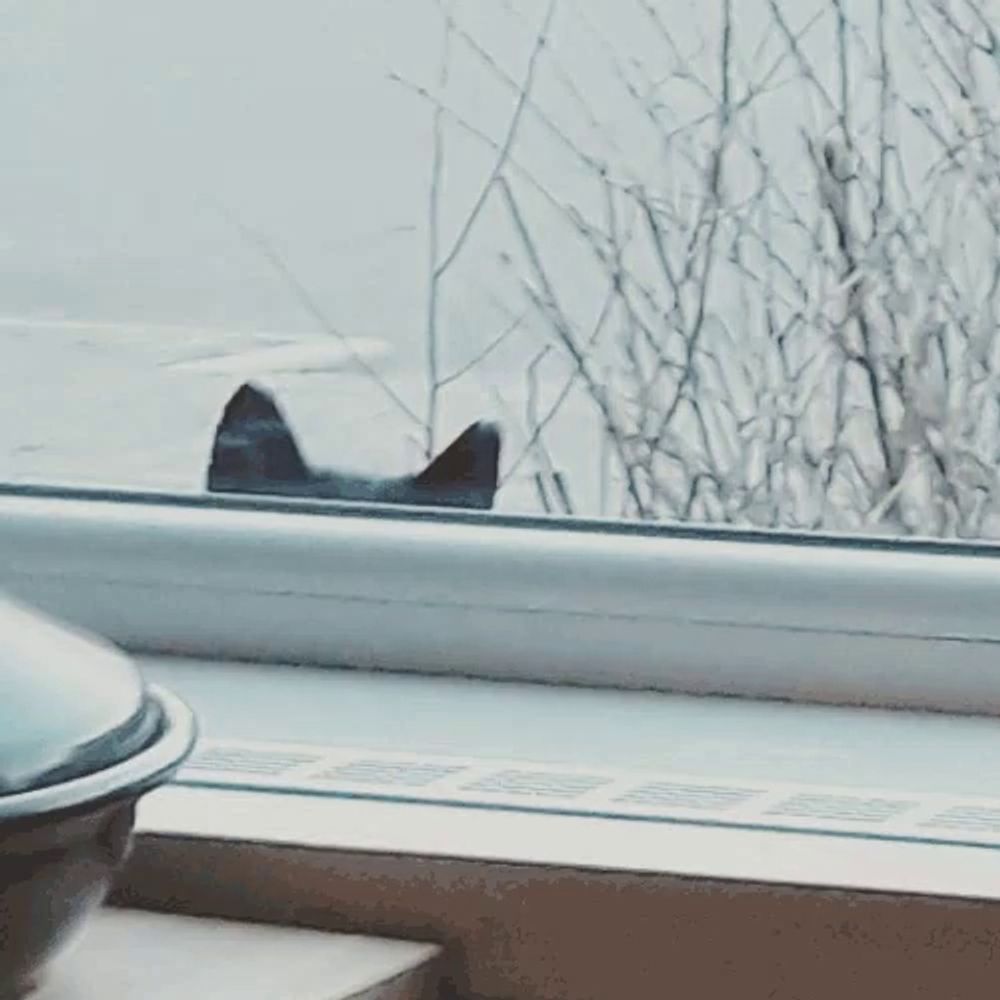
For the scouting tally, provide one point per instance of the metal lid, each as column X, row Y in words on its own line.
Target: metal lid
column 70, row 704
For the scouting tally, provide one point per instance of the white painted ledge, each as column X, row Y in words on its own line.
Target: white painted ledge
column 571, row 842
column 729, row 742
column 757, row 614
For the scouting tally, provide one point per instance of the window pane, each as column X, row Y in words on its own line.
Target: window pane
column 710, row 262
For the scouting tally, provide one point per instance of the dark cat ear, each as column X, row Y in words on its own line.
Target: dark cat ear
column 470, row 465
column 253, row 444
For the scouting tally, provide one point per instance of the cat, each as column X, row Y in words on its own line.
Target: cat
column 255, row 451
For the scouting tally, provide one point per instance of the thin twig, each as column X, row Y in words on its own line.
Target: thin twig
column 313, row 308
column 503, row 154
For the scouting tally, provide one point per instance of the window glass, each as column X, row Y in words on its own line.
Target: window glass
column 664, row 259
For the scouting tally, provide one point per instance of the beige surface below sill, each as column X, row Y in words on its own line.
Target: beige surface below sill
column 133, row 955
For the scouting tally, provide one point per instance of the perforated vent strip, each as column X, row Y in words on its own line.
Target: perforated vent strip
column 243, row 761
column 662, row 797
column 389, row 773
column 670, row 793
column 845, row 807
column 982, row 818
column 545, row 783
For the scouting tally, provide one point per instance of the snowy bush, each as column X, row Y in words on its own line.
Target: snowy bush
column 770, row 258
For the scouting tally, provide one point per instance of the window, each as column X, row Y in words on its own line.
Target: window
column 697, row 263
column 710, row 290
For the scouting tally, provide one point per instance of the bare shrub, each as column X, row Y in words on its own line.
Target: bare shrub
column 797, row 290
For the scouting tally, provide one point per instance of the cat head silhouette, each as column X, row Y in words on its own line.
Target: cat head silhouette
column 255, row 451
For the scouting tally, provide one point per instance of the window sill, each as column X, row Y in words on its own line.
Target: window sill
column 530, row 907
column 680, row 764
column 482, row 838
column 546, row 905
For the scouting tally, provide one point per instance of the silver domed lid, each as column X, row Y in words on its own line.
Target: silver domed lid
column 70, row 704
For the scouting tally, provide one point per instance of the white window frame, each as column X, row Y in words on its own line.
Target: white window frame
column 907, row 623
column 582, row 602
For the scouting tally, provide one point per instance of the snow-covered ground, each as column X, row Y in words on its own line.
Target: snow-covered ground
column 112, row 405
column 137, row 142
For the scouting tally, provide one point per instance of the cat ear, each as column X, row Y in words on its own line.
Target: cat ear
column 469, row 464
column 253, row 443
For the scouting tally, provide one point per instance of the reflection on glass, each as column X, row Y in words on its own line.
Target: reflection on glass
column 700, row 261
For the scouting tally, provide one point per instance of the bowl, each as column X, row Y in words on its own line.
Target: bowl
column 82, row 739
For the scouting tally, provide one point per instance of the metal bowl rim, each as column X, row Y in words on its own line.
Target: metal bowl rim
column 130, row 777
